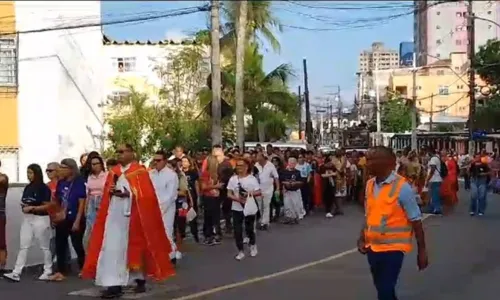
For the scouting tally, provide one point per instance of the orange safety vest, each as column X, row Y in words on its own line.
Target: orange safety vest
column 387, row 226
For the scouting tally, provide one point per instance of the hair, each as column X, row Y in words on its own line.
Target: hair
column 38, row 174
column 71, row 163
column 101, row 161
column 111, row 162
column 192, row 163
column 54, row 163
column 162, row 153
column 212, row 166
column 129, row 147
column 82, row 156
column 217, row 146
column 280, row 163
column 385, row 151
column 87, row 167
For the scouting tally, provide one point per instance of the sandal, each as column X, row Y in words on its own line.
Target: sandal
column 58, row 277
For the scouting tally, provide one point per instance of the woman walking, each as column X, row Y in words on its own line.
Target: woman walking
column 240, row 188
column 35, row 202
column 95, row 187
column 189, row 169
column 70, row 219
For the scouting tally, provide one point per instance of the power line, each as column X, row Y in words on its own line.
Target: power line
column 172, row 13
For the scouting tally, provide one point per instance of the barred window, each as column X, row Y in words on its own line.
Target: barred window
column 8, row 61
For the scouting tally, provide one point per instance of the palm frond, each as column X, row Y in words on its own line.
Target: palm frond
column 282, row 72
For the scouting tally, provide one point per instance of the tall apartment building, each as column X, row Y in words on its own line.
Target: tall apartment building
column 378, row 57
column 441, row 29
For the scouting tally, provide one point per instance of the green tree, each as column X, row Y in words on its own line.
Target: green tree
column 396, row 115
column 487, row 62
column 488, row 116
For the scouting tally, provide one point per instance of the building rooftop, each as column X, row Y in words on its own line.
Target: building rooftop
column 107, row 41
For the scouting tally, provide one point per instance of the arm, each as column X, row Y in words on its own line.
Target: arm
column 172, row 186
column 46, row 201
column 408, row 202
column 276, row 178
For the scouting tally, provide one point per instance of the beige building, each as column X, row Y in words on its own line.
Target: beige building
column 442, row 87
column 378, row 57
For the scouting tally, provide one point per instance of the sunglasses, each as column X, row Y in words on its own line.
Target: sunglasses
column 120, row 151
column 49, row 170
column 157, row 160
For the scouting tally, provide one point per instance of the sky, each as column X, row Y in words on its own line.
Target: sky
column 330, row 48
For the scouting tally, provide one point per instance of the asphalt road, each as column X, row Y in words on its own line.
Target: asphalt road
column 463, row 253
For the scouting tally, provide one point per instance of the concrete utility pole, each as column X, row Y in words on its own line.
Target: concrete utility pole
column 240, row 61
column 471, row 52
column 216, row 79
column 414, row 105
column 431, row 113
column 377, row 99
column 309, row 129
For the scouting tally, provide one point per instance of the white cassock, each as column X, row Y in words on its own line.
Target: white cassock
column 112, row 269
column 166, row 184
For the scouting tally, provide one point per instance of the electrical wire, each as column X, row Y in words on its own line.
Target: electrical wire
column 134, row 20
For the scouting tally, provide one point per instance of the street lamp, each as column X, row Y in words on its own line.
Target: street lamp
column 484, row 19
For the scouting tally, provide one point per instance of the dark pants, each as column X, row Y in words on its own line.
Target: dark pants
column 275, row 210
column 226, row 209
column 467, row 181
column 211, row 217
column 63, row 231
column 328, row 198
column 249, row 222
column 385, row 268
column 305, row 192
column 193, row 225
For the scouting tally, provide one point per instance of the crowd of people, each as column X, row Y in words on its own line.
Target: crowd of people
column 110, row 209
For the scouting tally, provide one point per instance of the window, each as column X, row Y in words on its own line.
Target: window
column 438, row 55
column 440, row 72
column 458, row 42
column 438, row 27
column 124, row 64
column 490, row 26
column 460, row 87
column 118, row 96
column 438, row 13
column 489, row 12
column 438, row 42
column 459, row 14
column 443, row 90
column 8, row 62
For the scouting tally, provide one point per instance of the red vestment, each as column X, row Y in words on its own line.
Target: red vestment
column 148, row 245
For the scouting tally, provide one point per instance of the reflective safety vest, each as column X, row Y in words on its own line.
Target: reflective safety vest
column 387, row 226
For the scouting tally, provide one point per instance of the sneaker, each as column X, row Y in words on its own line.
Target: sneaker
column 329, row 215
column 480, row 214
column 217, row 241
column 246, row 240
column 178, row 255
column 472, row 214
column 45, row 276
column 240, row 256
column 253, row 251
column 12, row 276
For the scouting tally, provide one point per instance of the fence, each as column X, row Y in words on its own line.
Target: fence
column 9, row 156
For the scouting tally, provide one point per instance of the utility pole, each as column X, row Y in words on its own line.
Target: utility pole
column 377, row 107
column 216, row 79
column 471, row 52
column 414, row 105
column 299, row 103
column 240, row 61
column 306, row 100
column 431, row 113
column 339, row 119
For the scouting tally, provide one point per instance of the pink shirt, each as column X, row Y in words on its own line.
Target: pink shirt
column 95, row 184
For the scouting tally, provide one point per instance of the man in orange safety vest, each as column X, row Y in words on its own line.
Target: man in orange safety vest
column 392, row 217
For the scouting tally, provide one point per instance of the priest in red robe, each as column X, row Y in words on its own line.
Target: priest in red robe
column 128, row 242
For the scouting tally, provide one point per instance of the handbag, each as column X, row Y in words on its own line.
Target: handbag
column 251, row 207
column 57, row 209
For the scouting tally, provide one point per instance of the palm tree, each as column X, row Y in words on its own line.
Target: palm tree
column 240, row 56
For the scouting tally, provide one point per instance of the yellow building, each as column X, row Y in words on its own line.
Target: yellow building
column 442, row 87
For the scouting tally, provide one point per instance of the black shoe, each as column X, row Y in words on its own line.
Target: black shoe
column 112, row 292
column 265, row 227
column 173, row 261
column 140, row 287
column 217, row 241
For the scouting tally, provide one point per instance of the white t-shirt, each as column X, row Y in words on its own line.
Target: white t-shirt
column 267, row 175
column 436, row 177
column 249, row 184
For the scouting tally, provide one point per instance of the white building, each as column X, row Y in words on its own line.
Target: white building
column 51, row 83
column 145, row 66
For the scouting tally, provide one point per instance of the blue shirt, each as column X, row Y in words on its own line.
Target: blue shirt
column 406, row 198
column 305, row 169
column 69, row 194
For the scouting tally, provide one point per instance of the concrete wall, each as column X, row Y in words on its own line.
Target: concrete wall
column 60, row 85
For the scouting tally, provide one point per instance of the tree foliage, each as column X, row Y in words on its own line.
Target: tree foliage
column 396, row 115
column 487, row 62
column 488, row 116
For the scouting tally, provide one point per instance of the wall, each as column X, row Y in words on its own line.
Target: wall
column 8, row 93
column 60, row 85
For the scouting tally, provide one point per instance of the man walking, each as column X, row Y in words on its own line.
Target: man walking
column 268, row 178
column 392, row 218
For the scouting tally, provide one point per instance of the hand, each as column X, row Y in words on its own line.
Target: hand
column 422, row 260
column 219, row 185
column 76, row 226
column 27, row 209
column 124, row 194
column 243, row 200
column 362, row 246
